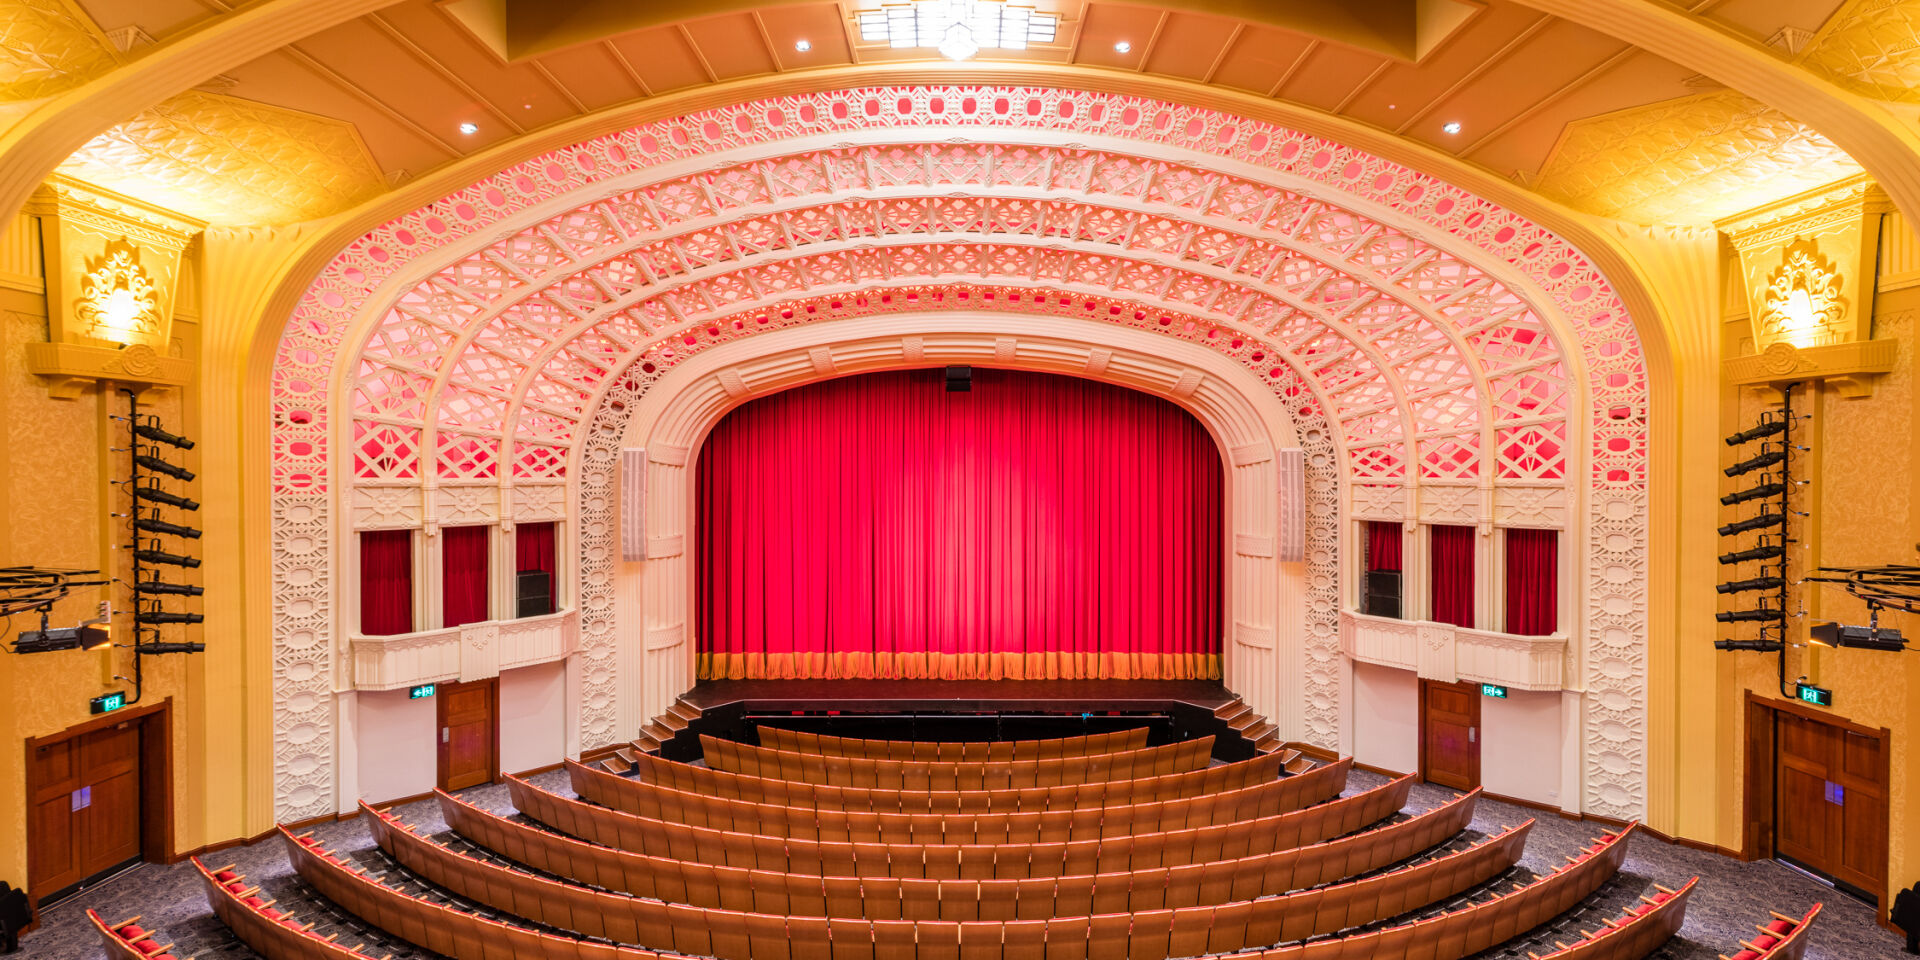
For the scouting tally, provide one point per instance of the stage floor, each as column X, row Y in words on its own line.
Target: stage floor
column 959, row 695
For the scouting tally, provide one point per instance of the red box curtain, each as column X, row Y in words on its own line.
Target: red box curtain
column 1533, row 582
column 1452, row 560
column 463, row 575
column 1037, row 527
column 386, row 582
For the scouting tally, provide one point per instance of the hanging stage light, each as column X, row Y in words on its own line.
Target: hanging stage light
column 1766, row 428
column 1859, row 638
column 152, row 432
column 1759, row 521
column 1757, row 583
column 161, row 526
column 160, row 556
column 1762, row 552
column 91, row 635
column 158, row 495
column 152, row 587
column 1751, row 464
column 1754, row 493
column 1755, row 646
column 158, row 465
column 157, row 647
column 1762, row 615
column 167, row 616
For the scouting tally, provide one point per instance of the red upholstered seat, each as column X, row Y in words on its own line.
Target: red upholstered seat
column 1781, row 926
column 1763, row 941
column 1746, row 955
column 131, row 932
column 147, row 946
column 225, row 875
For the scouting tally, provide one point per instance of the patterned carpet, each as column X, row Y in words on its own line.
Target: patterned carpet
column 1731, row 898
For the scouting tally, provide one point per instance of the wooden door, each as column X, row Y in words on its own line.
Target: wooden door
column 1450, row 734
column 469, row 733
column 84, row 815
column 1830, row 805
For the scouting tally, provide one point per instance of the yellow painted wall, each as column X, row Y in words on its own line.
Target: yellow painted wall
column 1863, row 506
column 54, row 494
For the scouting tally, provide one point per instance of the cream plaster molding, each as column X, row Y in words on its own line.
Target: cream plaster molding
column 41, row 140
column 1850, row 368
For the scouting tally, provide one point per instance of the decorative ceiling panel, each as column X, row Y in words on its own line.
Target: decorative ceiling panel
column 1872, row 46
column 47, row 48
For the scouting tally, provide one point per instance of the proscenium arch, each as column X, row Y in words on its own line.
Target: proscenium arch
column 1266, row 647
column 1505, row 242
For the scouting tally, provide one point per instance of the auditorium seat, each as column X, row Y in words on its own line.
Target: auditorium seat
column 1643, row 928
column 796, row 741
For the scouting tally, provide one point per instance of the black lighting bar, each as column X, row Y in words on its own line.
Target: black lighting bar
column 1754, row 493
column 152, row 432
column 158, row 495
column 1759, row 521
column 1762, row 615
column 1748, row 465
column 154, row 587
column 160, row 556
column 167, row 616
column 171, row 529
column 1757, row 583
column 1765, row 551
column 1765, row 428
column 1860, row 638
column 1755, row 646
column 158, row 465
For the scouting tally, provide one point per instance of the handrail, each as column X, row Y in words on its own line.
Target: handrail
column 663, row 803
column 737, row 886
column 911, row 774
column 1197, row 845
column 740, row 786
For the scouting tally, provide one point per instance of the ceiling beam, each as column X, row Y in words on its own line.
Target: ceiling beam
column 35, row 146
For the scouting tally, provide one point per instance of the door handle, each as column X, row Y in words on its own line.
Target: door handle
column 445, row 734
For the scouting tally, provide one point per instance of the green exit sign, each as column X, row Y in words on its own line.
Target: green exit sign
column 1493, row 690
column 1818, row 696
column 423, row 690
column 109, row 703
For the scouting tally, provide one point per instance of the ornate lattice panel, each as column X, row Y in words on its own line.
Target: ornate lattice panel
column 1435, row 339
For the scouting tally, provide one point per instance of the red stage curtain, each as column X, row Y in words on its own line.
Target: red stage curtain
column 386, row 582
column 463, row 575
column 1383, row 545
column 1037, row 527
column 533, row 550
column 1533, row 582
column 1452, row 563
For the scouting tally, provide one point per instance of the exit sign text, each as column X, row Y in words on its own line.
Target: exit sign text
column 1493, row 690
column 423, row 690
column 109, row 703
column 1818, row 696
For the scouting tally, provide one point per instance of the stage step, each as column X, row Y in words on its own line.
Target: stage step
column 672, row 721
column 684, row 710
column 1232, row 709
column 656, row 731
column 1259, row 732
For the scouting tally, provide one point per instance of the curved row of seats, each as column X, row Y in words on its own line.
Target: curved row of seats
column 1646, row 925
column 736, row 757
column 1149, row 936
column 968, row 750
column 1085, row 823
column 839, row 858
column 1782, row 938
column 128, row 940
column 650, row 768
column 271, row 933
column 651, row 923
column 890, row 897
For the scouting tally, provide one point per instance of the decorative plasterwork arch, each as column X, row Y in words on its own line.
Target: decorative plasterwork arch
column 1246, row 296
column 1281, row 650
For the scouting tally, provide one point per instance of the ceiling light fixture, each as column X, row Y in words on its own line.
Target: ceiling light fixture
column 469, row 129
column 803, row 45
column 1123, row 47
column 957, row 28
column 1451, row 126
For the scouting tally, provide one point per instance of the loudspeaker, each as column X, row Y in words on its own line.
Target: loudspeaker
column 1292, row 466
column 633, row 503
column 959, row 379
column 1382, row 597
column 532, row 598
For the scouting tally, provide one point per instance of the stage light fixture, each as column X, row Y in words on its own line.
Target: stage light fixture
column 959, row 379
column 1765, row 429
column 1757, row 583
column 1754, row 646
column 1751, row 464
column 1754, row 493
column 160, row 556
column 161, row 526
column 158, row 495
column 91, row 635
column 151, row 648
column 158, row 465
column 1761, row 615
column 167, row 616
column 1758, row 521
column 152, row 432
column 1765, row 551
column 154, row 587
column 1860, row 638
